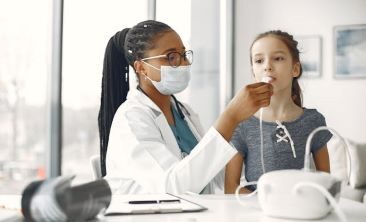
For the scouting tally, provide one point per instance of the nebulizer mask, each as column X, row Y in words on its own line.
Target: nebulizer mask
column 172, row 79
column 296, row 194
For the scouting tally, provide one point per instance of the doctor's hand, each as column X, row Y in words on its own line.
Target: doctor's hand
column 245, row 103
column 249, row 100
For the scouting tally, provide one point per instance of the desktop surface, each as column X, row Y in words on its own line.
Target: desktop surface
column 220, row 208
column 226, row 208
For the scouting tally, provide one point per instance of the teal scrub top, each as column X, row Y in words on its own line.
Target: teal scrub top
column 183, row 134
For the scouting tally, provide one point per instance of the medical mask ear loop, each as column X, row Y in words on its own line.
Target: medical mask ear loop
column 308, row 143
column 332, row 201
column 151, row 66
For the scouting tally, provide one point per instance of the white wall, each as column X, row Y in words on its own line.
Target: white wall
column 342, row 102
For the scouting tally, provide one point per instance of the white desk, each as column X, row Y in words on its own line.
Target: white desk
column 220, row 208
column 10, row 208
column 226, row 208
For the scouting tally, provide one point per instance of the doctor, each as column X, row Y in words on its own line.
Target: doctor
column 155, row 143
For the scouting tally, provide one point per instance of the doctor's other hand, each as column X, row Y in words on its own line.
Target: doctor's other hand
column 247, row 101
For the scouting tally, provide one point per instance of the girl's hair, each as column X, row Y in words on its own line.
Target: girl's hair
column 291, row 44
column 123, row 49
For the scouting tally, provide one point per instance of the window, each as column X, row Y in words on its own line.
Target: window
column 25, row 59
column 25, row 38
column 197, row 24
column 88, row 25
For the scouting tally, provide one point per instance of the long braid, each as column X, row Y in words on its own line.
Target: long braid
column 115, row 85
column 122, row 50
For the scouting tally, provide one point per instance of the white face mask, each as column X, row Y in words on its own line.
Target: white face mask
column 172, row 80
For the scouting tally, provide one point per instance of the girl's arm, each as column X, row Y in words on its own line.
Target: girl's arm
column 233, row 173
column 321, row 159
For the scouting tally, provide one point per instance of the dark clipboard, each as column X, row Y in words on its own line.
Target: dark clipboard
column 145, row 204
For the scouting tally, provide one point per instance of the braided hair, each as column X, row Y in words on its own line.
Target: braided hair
column 291, row 44
column 123, row 49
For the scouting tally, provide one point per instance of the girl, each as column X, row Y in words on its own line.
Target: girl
column 286, row 124
column 151, row 131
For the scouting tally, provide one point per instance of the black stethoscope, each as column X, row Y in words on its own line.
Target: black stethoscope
column 178, row 104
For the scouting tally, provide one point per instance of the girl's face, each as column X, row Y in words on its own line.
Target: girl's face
column 271, row 57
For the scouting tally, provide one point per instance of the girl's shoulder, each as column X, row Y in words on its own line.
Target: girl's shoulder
column 311, row 119
column 312, row 114
column 307, row 115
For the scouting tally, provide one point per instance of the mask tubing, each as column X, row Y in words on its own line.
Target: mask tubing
column 265, row 79
column 261, row 135
column 329, row 197
column 237, row 195
column 308, row 143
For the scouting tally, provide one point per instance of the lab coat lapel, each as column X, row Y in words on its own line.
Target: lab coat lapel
column 195, row 125
column 162, row 123
column 168, row 135
column 193, row 122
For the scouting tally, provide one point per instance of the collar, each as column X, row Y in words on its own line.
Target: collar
column 179, row 106
column 142, row 98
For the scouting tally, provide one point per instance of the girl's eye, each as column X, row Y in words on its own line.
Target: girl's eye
column 279, row 58
column 258, row 60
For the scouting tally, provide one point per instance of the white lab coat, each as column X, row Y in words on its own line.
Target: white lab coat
column 144, row 156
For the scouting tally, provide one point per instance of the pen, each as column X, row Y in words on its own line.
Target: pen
column 152, row 201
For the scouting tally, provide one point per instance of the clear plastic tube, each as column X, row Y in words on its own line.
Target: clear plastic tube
column 244, row 195
column 261, row 136
column 308, row 144
column 265, row 79
column 329, row 197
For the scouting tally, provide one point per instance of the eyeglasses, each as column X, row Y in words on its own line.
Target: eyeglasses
column 175, row 58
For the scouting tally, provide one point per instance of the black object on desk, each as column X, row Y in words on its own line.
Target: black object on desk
column 56, row 200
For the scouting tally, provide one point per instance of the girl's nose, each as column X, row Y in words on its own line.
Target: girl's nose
column 267, row 68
